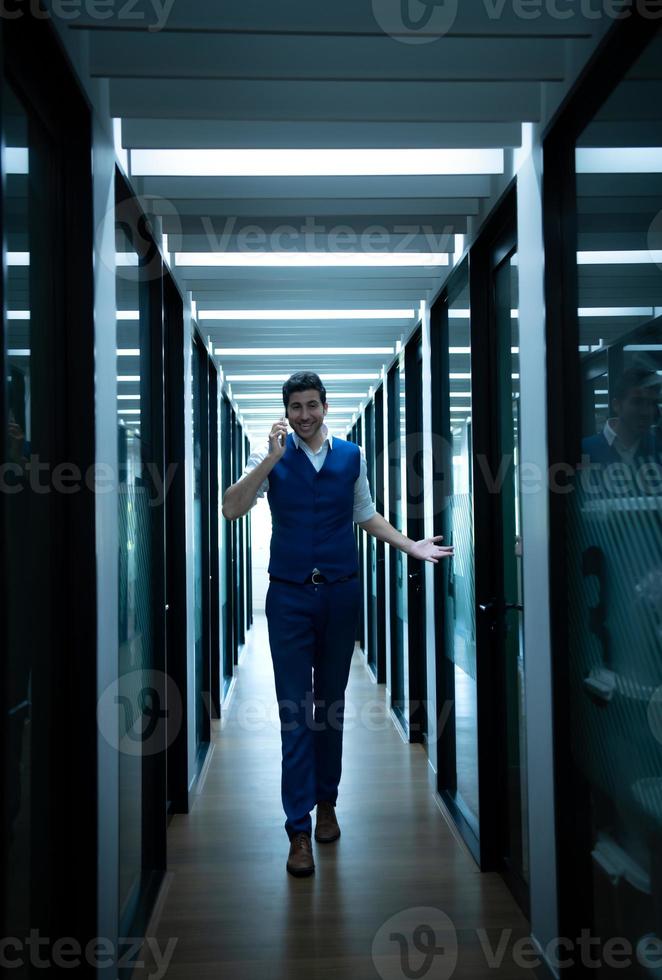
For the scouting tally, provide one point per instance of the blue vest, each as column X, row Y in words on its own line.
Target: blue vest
column 311, row 512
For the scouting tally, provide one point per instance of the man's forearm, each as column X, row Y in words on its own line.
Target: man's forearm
column 380, row 528
column 238, row 499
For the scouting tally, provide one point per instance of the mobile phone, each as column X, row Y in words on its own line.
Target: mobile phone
column 281, row 438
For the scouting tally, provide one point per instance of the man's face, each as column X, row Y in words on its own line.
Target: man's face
column 305, row 413
column 639, row 410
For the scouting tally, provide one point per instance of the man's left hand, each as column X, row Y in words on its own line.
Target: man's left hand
column 427, row 550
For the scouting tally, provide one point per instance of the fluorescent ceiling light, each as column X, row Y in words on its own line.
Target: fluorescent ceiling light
column 270, row 411
column 608, row 311
column 261, row 396
column 18, row 314
column 126, row 258
column 311, row 259
column 460, row 394
column 128, row 314
column 128, row 398
column 128, row 377
column 306, row 314
column 297, row 351
column 619, row 160
column 643, row 347
column 19, row 352
column 620, row 257
column 18, row 258
column 128, row 352
column 328, row 162
column 283, row 377
column 16, row 160
column 128, row 411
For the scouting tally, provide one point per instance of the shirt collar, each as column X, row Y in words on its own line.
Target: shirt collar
column 611, row 436
column 608, row 432
column 325, row 431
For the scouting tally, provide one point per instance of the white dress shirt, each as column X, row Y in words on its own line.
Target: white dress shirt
column 364, row 507
column 626, row 453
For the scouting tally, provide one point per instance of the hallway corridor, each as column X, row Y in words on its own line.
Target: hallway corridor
column 235, row 911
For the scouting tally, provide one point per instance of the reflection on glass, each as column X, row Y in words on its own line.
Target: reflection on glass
column 197, row 541
column 614, row 540
column 462, row 606
column 17, row 682
column 397, row 567
column 515, row 840
column 135, row 569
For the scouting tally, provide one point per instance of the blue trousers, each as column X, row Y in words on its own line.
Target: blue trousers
column 312, row 630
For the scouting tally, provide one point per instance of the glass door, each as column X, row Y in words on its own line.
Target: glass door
column 200, row 380
column 508, row 609
column 371, row 545
column 605, row 329
column 141, row 569
column 380, row 477
column 418, row 720
column 227, row 536
column 397, row 448
column 454, row 512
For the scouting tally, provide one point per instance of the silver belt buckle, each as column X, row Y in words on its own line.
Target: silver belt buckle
column 315, row 572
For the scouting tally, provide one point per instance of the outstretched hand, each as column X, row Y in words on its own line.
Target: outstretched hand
column 427, row 550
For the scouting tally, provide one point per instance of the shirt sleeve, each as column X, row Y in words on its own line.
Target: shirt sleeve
column 256, row 457
column 364, row 507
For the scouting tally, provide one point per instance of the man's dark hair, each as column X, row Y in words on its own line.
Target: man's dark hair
column 302, row 381
column 636, row 377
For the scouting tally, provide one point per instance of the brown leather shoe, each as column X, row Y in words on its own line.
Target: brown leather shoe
column 326, row 826
column 300, row 861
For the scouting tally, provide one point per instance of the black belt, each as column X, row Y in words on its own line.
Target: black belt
column 318, row 580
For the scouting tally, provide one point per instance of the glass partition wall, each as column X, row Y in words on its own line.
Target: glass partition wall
column 141, row 569
column 605, row 342
column 458, row 669
column 397, row 448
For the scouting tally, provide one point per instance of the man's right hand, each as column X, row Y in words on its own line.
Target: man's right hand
column 278, row 431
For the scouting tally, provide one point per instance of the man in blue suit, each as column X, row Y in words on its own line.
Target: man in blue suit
column 317, row 489
column 631, row 436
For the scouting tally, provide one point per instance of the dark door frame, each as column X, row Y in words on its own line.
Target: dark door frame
column 64, row 881
column 416, row 612
column 380, row 546
column 227, row 548
column 176, row 603
column 199, row 350
column 397, row 559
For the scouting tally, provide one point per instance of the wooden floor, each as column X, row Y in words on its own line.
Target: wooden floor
column 237, row 914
